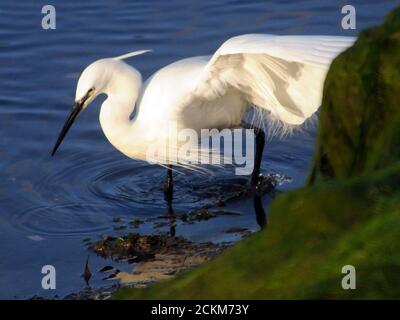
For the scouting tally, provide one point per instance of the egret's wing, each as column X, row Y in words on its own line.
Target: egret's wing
column 281, row 74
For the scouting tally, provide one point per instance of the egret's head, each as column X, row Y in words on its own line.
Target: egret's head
column 93, row 81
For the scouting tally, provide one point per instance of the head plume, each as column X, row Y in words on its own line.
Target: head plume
column 131, row 54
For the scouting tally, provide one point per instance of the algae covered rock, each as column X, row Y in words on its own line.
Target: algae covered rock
column 360, row 112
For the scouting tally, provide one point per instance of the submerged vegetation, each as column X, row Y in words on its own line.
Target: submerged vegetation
column 156, row 257
column 349, row 214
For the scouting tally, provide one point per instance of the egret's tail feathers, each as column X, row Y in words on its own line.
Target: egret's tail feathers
column 131, row 54
column 273, row 127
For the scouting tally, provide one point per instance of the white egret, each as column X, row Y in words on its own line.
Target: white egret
column 281, row 75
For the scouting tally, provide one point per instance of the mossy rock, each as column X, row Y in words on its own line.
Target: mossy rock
column 360, row 113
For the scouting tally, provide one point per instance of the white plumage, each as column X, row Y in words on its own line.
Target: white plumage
column 282, row 76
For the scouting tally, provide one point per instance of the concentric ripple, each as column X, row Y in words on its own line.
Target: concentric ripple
column 144, row 185
column 82, row 192
column 116, row 179
column 65, row 219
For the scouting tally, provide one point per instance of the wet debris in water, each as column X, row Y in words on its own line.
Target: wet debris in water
column 106, row 269
column 112, row 276
column 224, row 191
column 244, row 232
column 116, row 219
column 132, row 260
column 236, row 230
column 161, row 224
column 87, row 274
column 93, row 294
column 153, row 257
column 136, row 246
column 135, row 223
column 119, row 228
column 201, row 214
column 88, row 293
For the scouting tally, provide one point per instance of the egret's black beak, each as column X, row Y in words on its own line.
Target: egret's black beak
column 76, row 109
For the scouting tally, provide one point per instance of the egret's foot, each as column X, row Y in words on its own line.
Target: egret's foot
column 261, row 185
column 265, row 183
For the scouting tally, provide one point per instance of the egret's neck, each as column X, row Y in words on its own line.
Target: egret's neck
column 116, row 110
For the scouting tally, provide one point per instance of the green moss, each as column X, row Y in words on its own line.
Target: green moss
column 360, row 108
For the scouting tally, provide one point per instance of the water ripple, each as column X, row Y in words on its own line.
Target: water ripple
column 69, row 219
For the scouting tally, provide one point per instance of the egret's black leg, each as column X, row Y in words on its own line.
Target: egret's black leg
column 260, row 142
column 168, row 186
column 261, row 217
column 168, row 195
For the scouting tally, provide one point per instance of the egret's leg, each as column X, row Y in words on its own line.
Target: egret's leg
column 261, row 217
column 260, row 142
column 168, row 186
column 168, row 195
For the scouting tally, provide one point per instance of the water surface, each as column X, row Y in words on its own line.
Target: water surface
column 49, row 205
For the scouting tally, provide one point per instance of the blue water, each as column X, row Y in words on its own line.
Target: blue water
column 49, row 205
